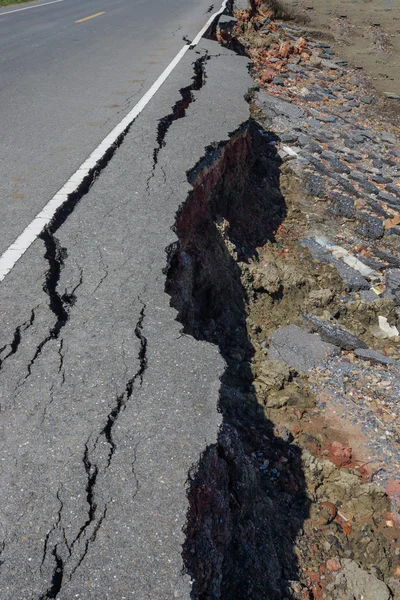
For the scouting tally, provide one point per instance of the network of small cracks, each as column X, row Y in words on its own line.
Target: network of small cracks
column 179, row 109
column 93, row 470
column 17, row 337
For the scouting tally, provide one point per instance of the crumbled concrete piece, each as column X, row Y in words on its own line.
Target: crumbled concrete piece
column 384, row 325
column 384, row 330
column 374, row 356
column 362, row 584
column 334, row 334
column 299, row 349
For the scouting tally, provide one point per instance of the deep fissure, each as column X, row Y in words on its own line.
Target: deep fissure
column 230, row 500
column 57, row 578
column 59, row 305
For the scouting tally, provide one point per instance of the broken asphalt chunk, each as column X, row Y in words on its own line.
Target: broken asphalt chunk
column 334, row 333
column 299, row 349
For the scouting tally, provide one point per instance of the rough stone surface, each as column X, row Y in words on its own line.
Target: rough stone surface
column 299, row 349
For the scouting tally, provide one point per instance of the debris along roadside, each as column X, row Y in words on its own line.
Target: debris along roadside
column 332, row 309
column 288, row 259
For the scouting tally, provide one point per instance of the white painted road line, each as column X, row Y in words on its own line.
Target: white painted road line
column 34, row 229
column 29, row 7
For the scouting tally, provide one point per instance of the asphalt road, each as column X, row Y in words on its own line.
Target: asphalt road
column 105, row 405
column 64, row 86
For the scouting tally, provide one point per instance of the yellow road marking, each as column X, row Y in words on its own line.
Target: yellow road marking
column 91, row 17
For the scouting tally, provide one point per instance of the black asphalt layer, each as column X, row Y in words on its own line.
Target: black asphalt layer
column 65, row 85
column 105, row 404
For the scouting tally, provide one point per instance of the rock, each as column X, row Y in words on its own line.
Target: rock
column 389, row 198
column 275, row 107
column 380, row 179
column 366, row 99
column 340, row 455
column 333, row 565
column 315, row 61
column 392, row 290
column 289, row 138
column 334, row 334
column 394, row 189
column 335, row 163
column 374, row 356
column 387, row 136
column 343, row 206
column 294, row 69
column 325, row 119
column 299, row 349
column 391, row 95
column 362, row 584
column 370, row 227
column 330, row 65
column 274, row 375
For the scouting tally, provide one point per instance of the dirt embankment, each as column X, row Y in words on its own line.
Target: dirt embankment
column 365, row 32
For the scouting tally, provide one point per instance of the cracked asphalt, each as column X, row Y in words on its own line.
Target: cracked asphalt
column 105, row 404
column 65, row 85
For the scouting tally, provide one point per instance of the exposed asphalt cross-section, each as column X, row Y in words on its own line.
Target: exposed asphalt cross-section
column 106, row 405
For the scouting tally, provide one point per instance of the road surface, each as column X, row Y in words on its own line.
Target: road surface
column 105, row 404
column 65, row 84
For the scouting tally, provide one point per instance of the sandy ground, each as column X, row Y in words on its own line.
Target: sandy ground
column 364, row 32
